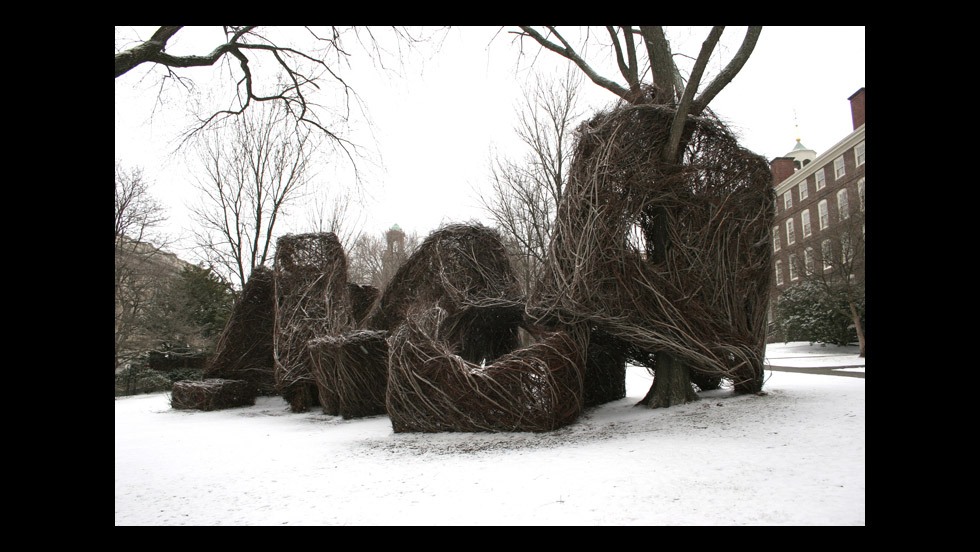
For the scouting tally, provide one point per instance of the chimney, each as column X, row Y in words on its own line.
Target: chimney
column 857, row 107
column 782, row 168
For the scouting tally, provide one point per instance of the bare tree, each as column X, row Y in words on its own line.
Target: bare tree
column 252, row 171
column 365, row 259
column 689, row 99
column 332, row 210
column 288, row 66
column 370, row 261
column 525, row 193
column 649, row 74
column 835, row 270
column 138, row 217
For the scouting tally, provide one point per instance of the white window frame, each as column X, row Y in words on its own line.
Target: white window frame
column 839, row 168
column 790, row 232
column 820, row 177
column 805, row 220
column 776, row 245
column 779, row 273
column 788, row 200
column 823, row 213
column 804, row 190
column 808, row 260
column 859, row 154
column 826, row 253
column 793, row 276
column 843, row 207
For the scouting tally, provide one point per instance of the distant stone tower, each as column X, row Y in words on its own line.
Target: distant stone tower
column 393, row 257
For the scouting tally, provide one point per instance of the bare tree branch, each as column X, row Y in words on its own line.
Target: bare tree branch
column 566, row 51
column 684, row 106
column 627, row 67
column 661, row 62
column 301, row 72
column 729, row 72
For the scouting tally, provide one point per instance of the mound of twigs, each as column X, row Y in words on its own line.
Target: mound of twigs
column 665, row 256
column 351, row 372
column 312, row 300
column 212, row 394
column 244, row 350
column 457, row 266
column 432, row 389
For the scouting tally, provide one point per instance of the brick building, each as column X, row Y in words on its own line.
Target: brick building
column 816, row 196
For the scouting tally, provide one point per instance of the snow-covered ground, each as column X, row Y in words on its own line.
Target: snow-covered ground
column 800, row 354
column 793, row 455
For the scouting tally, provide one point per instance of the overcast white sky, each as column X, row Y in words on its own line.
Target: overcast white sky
column 436, row 125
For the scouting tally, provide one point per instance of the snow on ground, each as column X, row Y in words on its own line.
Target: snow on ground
column 793, row 455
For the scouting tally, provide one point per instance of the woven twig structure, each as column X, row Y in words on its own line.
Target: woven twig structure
column 212, row 394
column 458, row 266
column 312, row 300
column 431, row 389
column 244, row 350
column 665, row 257
column 351, row 372
column 454, row 314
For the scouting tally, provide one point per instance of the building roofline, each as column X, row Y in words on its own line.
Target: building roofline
column 822, row 160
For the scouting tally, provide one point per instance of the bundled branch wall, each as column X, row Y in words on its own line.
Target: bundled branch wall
column 665, row 256
column 351, row 371
column 212, row 394
column 244, row 350
column 431, row 389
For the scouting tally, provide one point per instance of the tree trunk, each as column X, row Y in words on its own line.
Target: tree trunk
column 671, row 383
column 672, row 377
column 857, row 327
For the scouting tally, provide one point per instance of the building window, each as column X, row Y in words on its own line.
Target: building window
column 808, row 260
column 775, row 238
column 827, row 252
column 788, row 200
column 859, row 154
column 790, row 232
column 821, row 178
column 793, row 276
column 804, row 190
column 861, row 192
column 779, row 273
column 805, row 216
column 822, row 213
column 839, row 167
column 843, row 209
